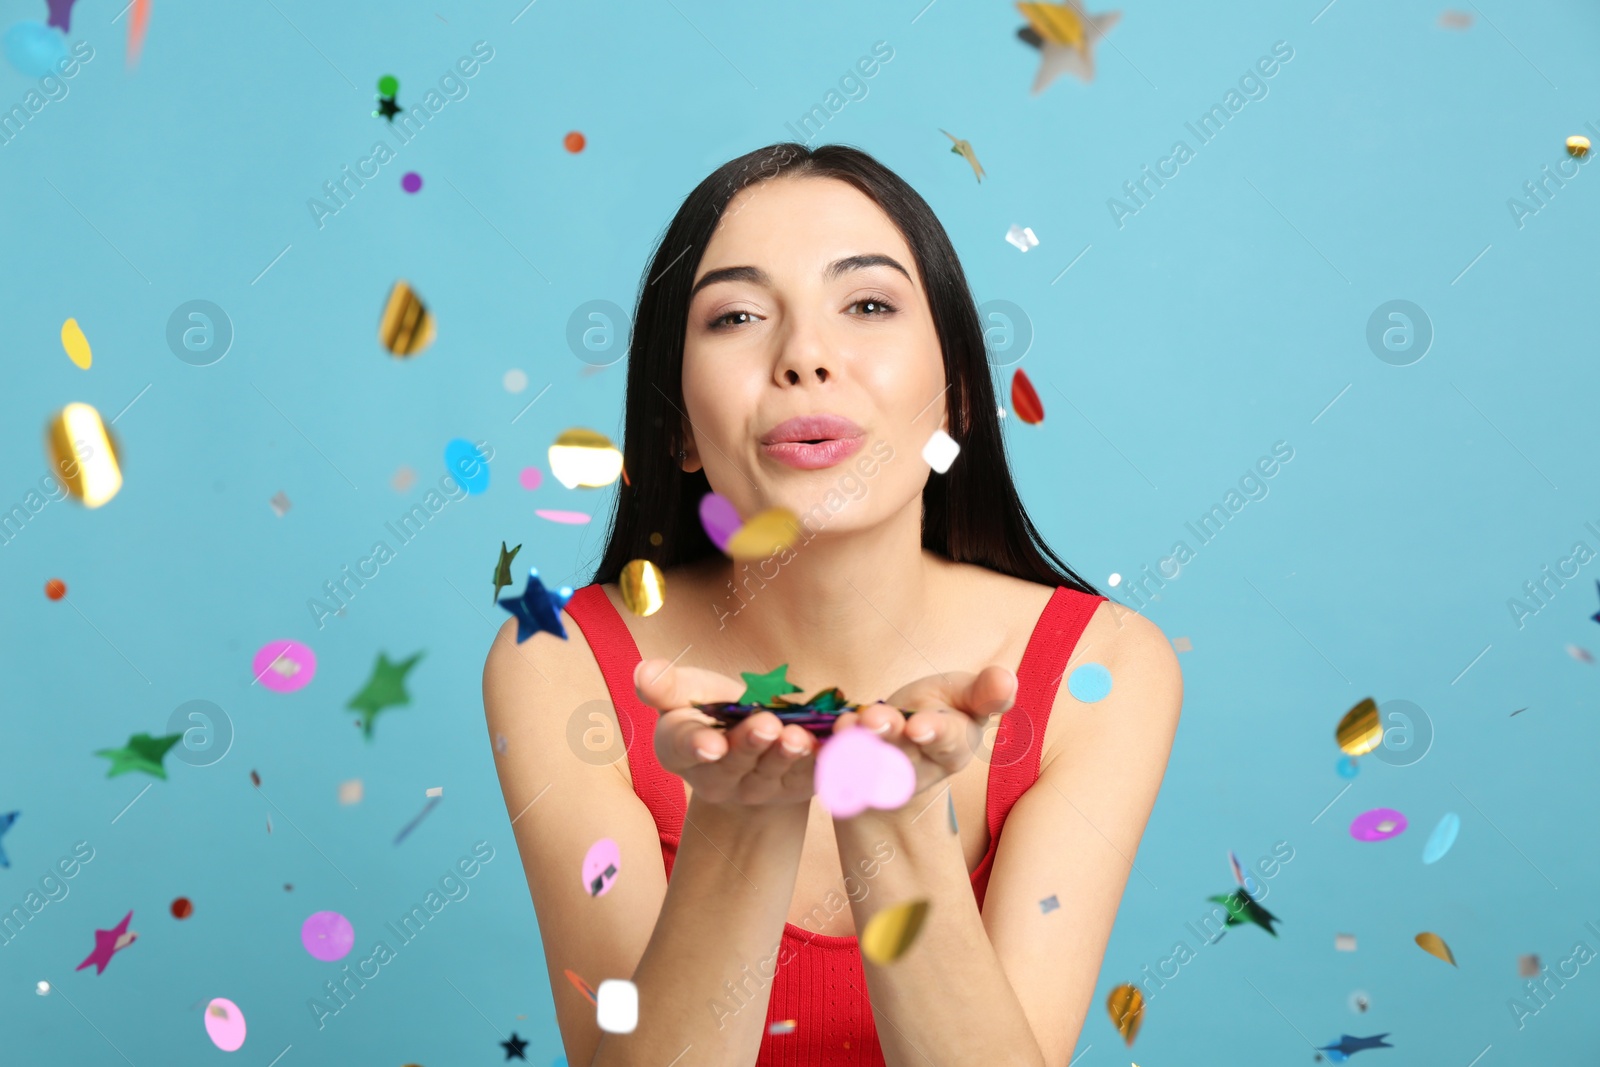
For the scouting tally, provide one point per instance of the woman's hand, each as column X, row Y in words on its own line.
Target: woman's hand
column 759, row 761
column 951, row 711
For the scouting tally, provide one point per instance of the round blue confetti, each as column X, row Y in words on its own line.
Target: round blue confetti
column 467, row 465
column 33, row 48
column 1348, row 767
column 1089, row 683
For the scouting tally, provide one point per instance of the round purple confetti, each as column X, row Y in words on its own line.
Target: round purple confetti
column 411, row 182
column 328, row 936
column 1379, row 824
column 720, row 519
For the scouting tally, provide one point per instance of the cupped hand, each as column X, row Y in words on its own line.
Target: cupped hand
column 950, row 712
column 759, row 761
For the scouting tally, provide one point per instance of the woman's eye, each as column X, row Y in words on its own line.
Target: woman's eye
column 721, row 321
column 873, row 307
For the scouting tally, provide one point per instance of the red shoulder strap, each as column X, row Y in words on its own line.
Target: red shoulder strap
column 1019, row 744
column 617, row 655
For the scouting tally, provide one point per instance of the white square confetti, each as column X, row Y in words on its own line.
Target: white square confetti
column 1344, row 942
column 1182, row 644
column 280, row 503
column 436, row 791
column 617, row 1006
column 1022, row 237
column 940, row 451
column 350, row 792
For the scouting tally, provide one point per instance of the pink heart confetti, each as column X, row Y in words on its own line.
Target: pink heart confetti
column 720, row 519
column 857, row 770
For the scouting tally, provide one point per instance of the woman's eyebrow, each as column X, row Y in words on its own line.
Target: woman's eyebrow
column 834, row 270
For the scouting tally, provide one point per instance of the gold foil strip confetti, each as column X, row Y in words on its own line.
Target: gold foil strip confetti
column 1182, row 644
column 585, row 458
column 77, row 345
column 1577, row 147
column 436, row 791
column 83, row 451
column 1344, row 942
column 644, row 587
column 1360, row 731
column 771, row 531
column 1455, row 20
column 892, row 931
column 406, row 327
column 1528, row 966
column 1434, row 945
column 1126, row 1008
column 350, row 792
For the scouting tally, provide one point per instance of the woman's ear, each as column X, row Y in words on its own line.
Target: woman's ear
column 691, row 454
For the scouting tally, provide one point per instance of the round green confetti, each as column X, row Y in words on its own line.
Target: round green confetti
column 388, row 85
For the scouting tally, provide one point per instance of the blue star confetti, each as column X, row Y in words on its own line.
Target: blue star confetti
column 538, row 609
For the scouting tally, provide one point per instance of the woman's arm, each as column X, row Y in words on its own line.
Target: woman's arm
column 733, row 878
column 1025, row 975
column 705, row 978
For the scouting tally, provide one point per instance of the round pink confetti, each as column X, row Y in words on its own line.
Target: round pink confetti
column 857, row 770
column 720, row 519
column 225, row 1024
column 327, row 935
column 284, row 666
column 411, row 182
column 530, row 477
column 571, row 518
column 1379, row 824
column 601, row 867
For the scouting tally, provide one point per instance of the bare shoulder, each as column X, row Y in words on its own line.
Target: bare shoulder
column 1140, row 712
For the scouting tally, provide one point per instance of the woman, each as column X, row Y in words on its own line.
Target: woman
column 803, row 329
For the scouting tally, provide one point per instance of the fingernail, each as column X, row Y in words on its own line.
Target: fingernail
column 793, row 750
column 881, row 728
column 707, row 756
column 763, row 735
column 919, row 734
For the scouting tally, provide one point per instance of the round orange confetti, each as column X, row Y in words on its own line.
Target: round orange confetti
column 182, row 908
column 574, row 142
column 55, row 589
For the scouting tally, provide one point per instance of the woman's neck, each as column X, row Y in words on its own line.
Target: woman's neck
column 843, row 609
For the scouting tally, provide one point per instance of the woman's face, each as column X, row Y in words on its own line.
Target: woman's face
column 809, row 303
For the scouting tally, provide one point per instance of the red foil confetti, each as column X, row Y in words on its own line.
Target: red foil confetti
column 1025, row 399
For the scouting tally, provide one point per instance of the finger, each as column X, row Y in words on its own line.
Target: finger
column 992, row 692
column 683, row 739
column 794, row 744
column 884, row 720
column 940, row 736
column 664, row 686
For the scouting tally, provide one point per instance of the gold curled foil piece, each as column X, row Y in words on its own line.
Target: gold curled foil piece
column 406, row 327
column 83, row 455
column 1126, row 1007
column 1434, row 945
column 644, row 587
column 585, row 458
column 770, row 531
column 1577, row 146
column 1360, row 731
column 892, row 931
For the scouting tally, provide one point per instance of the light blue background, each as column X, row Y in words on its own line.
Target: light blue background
column 1220, row 319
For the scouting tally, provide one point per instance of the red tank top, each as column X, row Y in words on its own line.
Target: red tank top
column 819, row 982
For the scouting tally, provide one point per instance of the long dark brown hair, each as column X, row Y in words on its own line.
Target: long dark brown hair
column 971, row 514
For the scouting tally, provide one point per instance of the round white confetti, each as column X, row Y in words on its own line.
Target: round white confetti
column 43, row 989
column 515, row 381
column 1114, row 581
